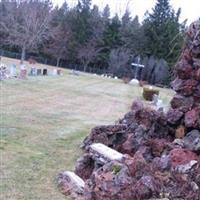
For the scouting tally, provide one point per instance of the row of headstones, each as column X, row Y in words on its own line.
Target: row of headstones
column 34, row 72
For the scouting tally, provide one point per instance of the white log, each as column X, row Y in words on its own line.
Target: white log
column 75, row 181
column 106, row 152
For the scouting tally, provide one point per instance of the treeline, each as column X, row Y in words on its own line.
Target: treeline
column 86, row 36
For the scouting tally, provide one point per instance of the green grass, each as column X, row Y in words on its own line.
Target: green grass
column 44, row 120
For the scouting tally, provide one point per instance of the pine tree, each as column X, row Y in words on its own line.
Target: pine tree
column 132, row 34
column 106, row 12
column 163, row 32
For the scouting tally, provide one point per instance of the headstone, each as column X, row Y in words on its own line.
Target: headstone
column 59, row 71
column 39, row 72
column 33, row 71
column 13, row 70
column 55, row 72
column 44, row 72
column 22, row 67
column 2, row 71
column 23, row 73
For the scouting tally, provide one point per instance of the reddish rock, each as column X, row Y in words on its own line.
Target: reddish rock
column 186, row 88
column 197, row 94
column 85, row 166
column 158, row 146
column 174, row 116
column 184, row 70
column 136, row 165
column 192, row 118
column 197, row 74
column 146, row 187
column 111, row 135
column 181, row 157
column 182, row 103
column 112, row 181
column 145, row 117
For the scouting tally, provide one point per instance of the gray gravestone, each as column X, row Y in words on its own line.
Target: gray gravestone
column 39, row 72
column 33, row 71
column 13, row 70
column 2, row 72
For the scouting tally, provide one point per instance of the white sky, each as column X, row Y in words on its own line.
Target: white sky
column 190, row 8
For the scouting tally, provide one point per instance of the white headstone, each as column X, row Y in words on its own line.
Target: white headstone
column 55, row 72
column 22, row 67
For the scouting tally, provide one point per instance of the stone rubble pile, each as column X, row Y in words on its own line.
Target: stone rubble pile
column 161, row 151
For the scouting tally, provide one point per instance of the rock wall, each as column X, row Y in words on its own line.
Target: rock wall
column 161, row 151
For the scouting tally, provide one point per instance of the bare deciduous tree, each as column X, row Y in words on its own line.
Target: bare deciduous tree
column 58, row 45
column 88, row 53
column 27, row 24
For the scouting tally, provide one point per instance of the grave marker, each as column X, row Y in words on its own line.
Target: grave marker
column 59, row 71
column 2, row 71
column 39, row 72
column 33, row 71
column 55, row 72
column 23, row 74
column 44, row 72
column 13, row 70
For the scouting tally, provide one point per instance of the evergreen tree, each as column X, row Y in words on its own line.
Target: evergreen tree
column 106, row 12
column 163, row 32
column 132, row 34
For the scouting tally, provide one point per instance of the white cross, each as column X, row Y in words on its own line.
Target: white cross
column 137, row 67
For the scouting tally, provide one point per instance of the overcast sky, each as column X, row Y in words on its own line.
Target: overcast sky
column 190, row 8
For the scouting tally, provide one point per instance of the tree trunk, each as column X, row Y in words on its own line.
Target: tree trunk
column 58, row 62
column 23, row 54
column 85, row 68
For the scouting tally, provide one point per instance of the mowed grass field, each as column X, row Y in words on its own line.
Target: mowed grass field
column 43, row 121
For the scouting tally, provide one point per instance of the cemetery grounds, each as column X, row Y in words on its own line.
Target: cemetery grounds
column 43, row 121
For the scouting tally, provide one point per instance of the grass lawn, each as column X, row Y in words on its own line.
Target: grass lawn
column 43, row 121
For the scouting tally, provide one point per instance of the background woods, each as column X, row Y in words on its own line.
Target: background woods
column 84, row 35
